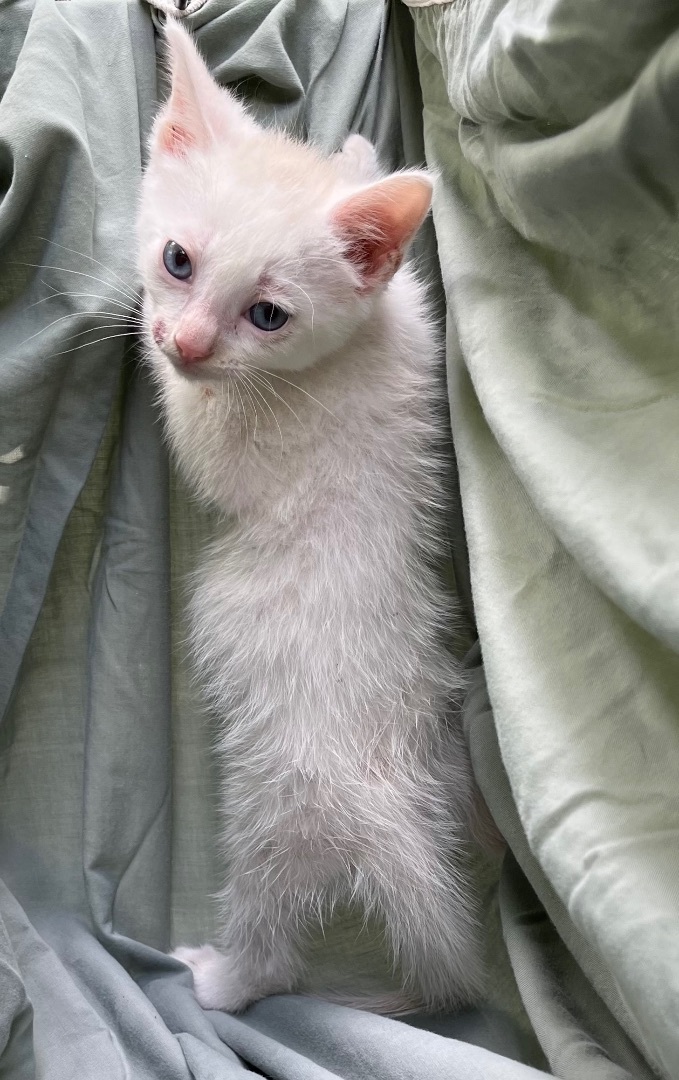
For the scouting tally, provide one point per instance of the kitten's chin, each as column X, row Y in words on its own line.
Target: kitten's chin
column 200, row 371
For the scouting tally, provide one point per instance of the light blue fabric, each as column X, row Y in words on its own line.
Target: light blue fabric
column 107, row 815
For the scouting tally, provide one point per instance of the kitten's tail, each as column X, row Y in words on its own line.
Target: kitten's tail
column 386, row 1004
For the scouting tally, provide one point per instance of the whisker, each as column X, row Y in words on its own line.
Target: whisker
column 259, row 393
column 273, row 375
column 79, row 273
column 86, row 344
column 278, row 396
column 286, row 281
column 93, row 296
column 250, row 399
column 94, row 329
column 95, row 261
column 322, row 260
column 79, row 314
column 244, row 414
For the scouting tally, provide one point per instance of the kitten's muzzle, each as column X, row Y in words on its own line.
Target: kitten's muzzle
column 191, row 351
column 196, row 335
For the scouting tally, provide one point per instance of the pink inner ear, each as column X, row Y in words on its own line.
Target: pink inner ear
column 377, row 224
column 198, row 112
column 182, row 123
column 173, row 138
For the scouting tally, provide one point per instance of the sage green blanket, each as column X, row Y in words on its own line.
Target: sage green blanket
column 553, row 126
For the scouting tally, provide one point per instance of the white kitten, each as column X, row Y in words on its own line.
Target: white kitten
column 297, row 374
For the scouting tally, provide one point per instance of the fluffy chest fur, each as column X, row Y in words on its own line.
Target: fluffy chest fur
column 311, row 608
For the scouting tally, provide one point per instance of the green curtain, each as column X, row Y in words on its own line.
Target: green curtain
column 554, row 125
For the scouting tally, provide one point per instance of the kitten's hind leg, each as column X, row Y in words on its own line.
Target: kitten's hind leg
column 428, row 914
column 267, row 963
column 266, row 906
column 261, row 954
column 216, row 981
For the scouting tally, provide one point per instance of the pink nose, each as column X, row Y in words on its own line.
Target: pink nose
column 192, row 349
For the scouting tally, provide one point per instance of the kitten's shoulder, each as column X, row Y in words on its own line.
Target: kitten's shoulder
column 411, row 312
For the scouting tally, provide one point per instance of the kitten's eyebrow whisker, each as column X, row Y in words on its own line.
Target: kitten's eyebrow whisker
column 95, row 261
column 311, row 304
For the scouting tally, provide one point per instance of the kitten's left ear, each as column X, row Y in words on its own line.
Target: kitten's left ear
column 198, row 111
column 377, row 223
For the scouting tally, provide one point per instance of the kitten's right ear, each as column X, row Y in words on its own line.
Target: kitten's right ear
column 376, row 224
column 197, row 110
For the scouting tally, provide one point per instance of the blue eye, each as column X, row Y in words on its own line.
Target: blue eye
column 267, row 316
column 176, row 261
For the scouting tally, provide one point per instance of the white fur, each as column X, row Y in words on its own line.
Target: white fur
column 318, row 619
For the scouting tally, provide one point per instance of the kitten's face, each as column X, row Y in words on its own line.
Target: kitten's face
column 240, row 267
column 256, row 252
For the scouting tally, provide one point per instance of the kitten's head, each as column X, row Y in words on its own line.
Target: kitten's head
column 256, row 251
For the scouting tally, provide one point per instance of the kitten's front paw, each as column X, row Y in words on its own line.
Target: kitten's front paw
column 214, row 979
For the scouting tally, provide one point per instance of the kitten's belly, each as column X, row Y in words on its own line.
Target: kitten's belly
column 324, row 688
